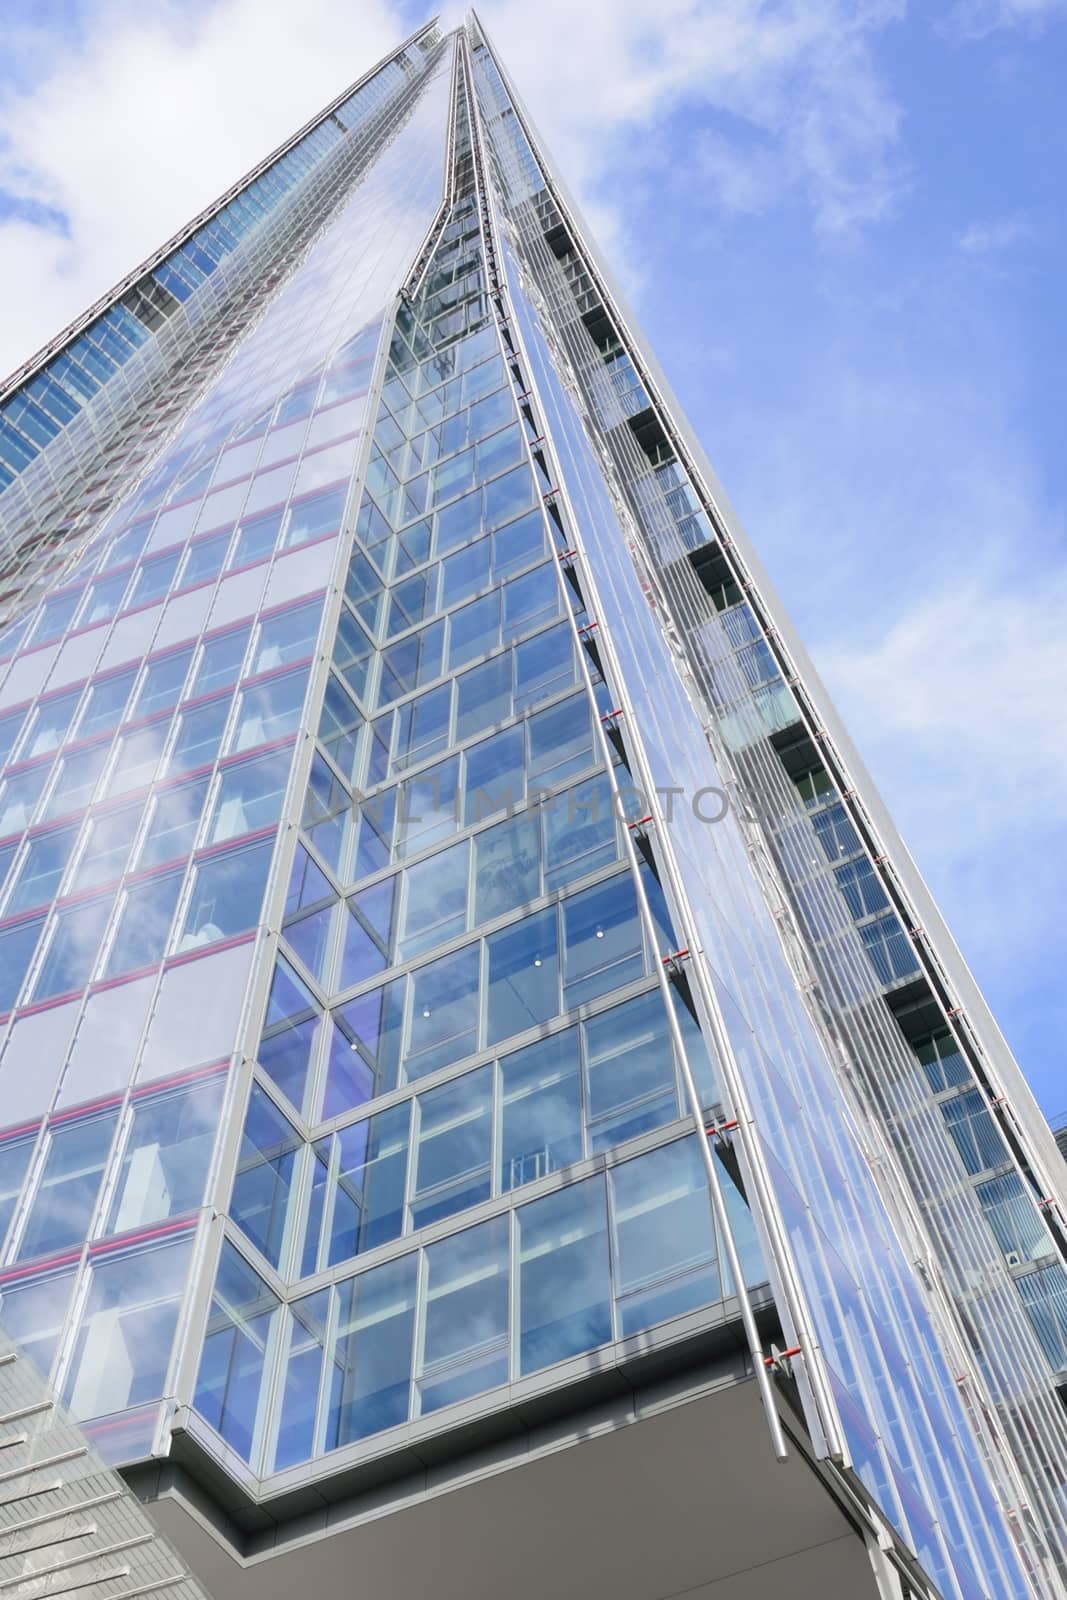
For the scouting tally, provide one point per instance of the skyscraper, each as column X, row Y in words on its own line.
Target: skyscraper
column 482, row 1079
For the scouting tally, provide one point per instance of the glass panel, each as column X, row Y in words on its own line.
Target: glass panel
column 435, row 900
column 564, row 1287
column 77, row 1151
column 579, row 831
column 17, row 945
column 541, row 1109
column 665, row 1257
column 71, row 952
column 289, row 1034
column 233, row 1363
column 199, row 734
column 371, row 1367
column 561, row 741
column 144, row 923
column 43, row 865
column 162, row 683
column 123, row 1345
column 507, row 867
column 454, row 1149
column 14, row 1159
column 227, row 895
column 368, row 1205
column 523, row 983
column 630, row 1083
column 173, row 820
column 297, row 1405
column 249, row 796
column 32, row 1311
column 443, row 1011
column 165, row 1161
column 464, row 1333
column 220, row 661
column 494, row 776
column 602, row 947
column 263, row 1186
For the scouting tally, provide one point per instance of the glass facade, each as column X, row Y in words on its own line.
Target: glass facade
column 432, row 960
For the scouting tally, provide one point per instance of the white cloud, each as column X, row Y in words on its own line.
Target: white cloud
column 980, row 238
column 975, row 19
column 137, row 123
column 798, row 75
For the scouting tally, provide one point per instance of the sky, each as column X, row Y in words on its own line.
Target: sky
column 841, row 224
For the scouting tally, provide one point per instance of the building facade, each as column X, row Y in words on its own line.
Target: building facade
column 470, row 1028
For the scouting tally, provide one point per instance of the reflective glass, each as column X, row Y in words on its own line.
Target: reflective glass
column 465, row 1317
column 66, row 1193
column 564, row 1282
column 370, row 1386
column 541, row 1109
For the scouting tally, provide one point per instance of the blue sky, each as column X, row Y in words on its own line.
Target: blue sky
column 842, row 226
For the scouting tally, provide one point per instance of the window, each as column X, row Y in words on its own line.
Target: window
column 143, row 924
column 942, row 1063
column 454, row 1148
column 368, row 1203
column 629, row 1066
column 233, row 1364
column 220, row 660
column 266, row 1171
column 173, row 822
column 579, row 831
column 518, row 543
column 54, row 618
column 474, row 630
column 227, row 895
column 162, row 682
column 523, row 976
column 136, row 758
column 508, row 496
column 43, row 865
column 249, row 796
column 256, row 539
column 289, row 1034
column 483, row 696
column 14, row 1159
column 48, row 724
column 371, row 1361
column 861, row 889
column 313, row 518
column 435, row 900
column 507, row 867
column 888, row 950
column 427, row 808
column 422, row 726
column 543, row 665
column 458, row 523
column 974, row 1132
column 63, row 1204
column 541, row 1109
column 664, row 1237
column 269, row 711
column 76, row 778
column 465, row 572
column 564, row 1286
column 298, row 1404
column 165, row 1161
column 71, row 951
column 33, row 1310
column 561, row 741
column 104, row 704
column 10, row 727
column 123, row 1346
column 104, row 599
column 494, row 775
column 443, row 1012
column 340, row 725
column 19, row 796
column 154, row 578
column 530, row 601
column 1014, row 1219
column 464, row 1343
column 196, row 743
column 286, row 636
column 17, row 945
column 602, row 947
column 204, row 560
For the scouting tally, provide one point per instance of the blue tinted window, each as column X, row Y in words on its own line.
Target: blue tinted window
column 66, row 1194
column 564, row 1285
column 629, row 1066
column 541, row 1109
column 454, row 1147
column 523, row 976
column 71, row 952
column 665, row 1241
column 144, row 922
column 602, row 947
column 371, row 1383
column 104, row 704
column 173, row 821
column 263, row 1186
column 368, row 1203
column 464, row 1344
column 17, row 944
column 42, row 868
column 443, row 1012
column 227, row 895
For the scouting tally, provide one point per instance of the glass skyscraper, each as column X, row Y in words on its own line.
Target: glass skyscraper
column 488, row 1102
